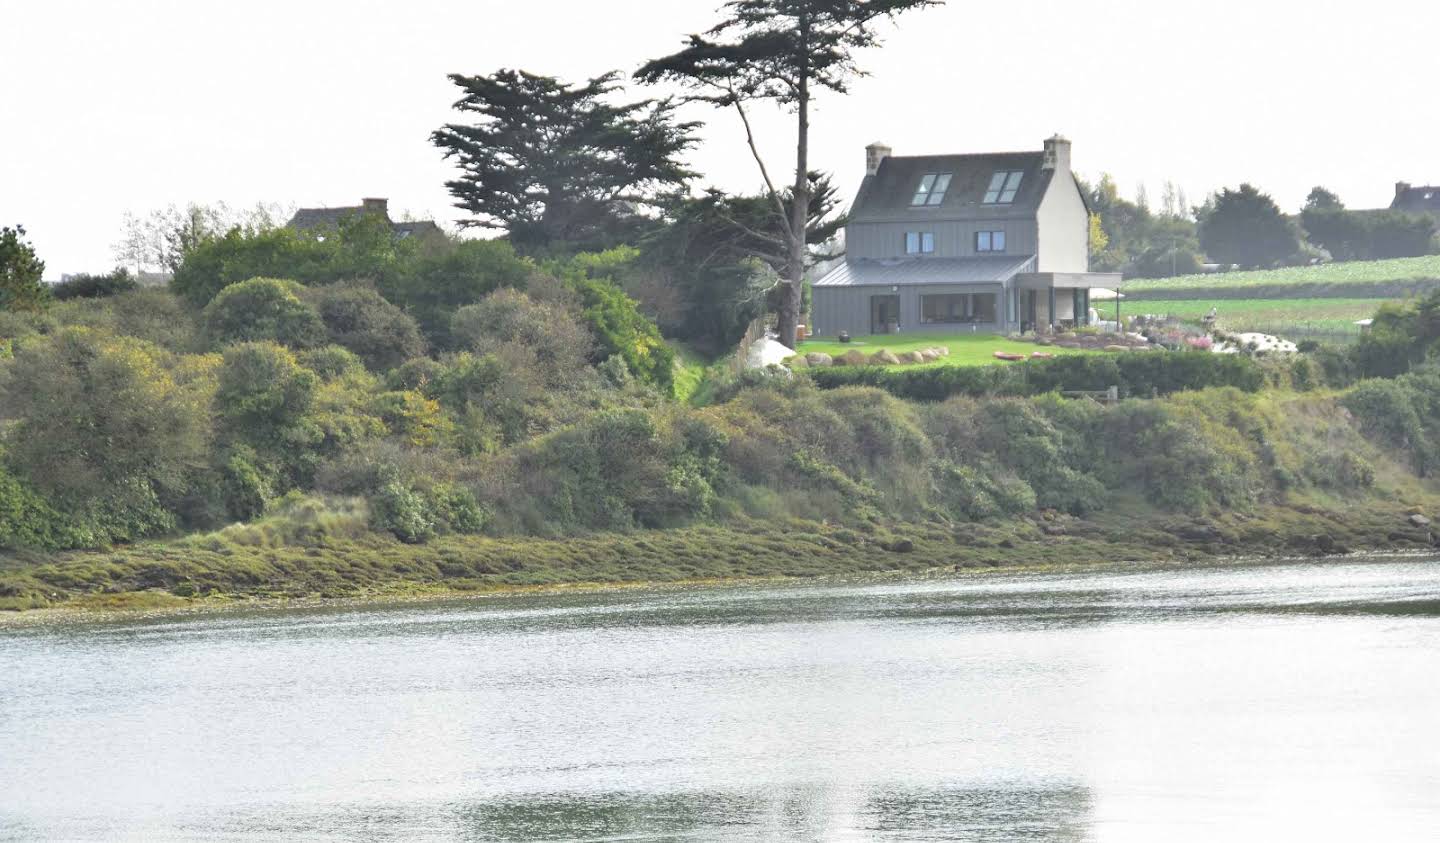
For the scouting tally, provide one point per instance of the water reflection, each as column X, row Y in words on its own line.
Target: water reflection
column 1200, row 703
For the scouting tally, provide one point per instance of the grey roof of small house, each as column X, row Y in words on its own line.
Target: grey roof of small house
column 306, row 218
column 419, row 228
column 912, row 271
column 311, row 218
column 885, row 196
column 1418, row 199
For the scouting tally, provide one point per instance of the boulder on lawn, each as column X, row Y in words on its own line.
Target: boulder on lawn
column 942, row 350
column 797, row 362
column 1117, row 348
column 1419, row 520
column 853, row 357
column 929, row 355
column 817, row 358
column 912, row 357
column 884, row 357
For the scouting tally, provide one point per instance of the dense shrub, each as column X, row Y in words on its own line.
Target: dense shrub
column 152, row 314
column 439, row 283
column 29, row 521
column 621, row 329
column 559, row 341
column 978, row 492
column 264, row 402
column 219, row 262
column 262, row 310
column 1403, row 413
column 361, row 320
column 1186, row 455
column 401, row 511
column 361, row 246
column 99, row 417
column 1137, row 374
column 86, row 286
column 616, row 470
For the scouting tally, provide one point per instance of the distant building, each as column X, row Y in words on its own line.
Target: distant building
column 1416, row 200
column 310, row 219
column 994, row 242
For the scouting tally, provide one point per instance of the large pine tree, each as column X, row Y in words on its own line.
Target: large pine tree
column 561, row 167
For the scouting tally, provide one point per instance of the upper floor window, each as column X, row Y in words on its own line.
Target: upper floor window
column 932, row 189
column 919, row 242
column 989, row 241
column 1003, row 186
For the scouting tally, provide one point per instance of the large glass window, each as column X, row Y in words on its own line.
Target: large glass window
column 919, row 242
column 957, row 308
column 989, row 241
column 931, row 190
column 1003, row 186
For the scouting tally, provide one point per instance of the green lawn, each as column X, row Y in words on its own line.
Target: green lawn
column 693, row 372
column 965, row 349
column 1393, row 276
column 1300, row 315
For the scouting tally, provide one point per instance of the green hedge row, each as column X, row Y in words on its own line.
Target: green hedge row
column 1136, row 374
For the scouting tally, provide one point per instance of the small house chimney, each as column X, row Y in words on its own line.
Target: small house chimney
column 874, row 154
column 1401, row 188
column 1057, row 153
column 376, row 206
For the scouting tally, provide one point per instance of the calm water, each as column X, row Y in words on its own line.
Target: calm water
column 1257, row 703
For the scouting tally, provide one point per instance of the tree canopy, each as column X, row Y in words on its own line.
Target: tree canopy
column 558, row 166
column 721, row 253
column 21, row 284
column 780, row 51
column 1246, row 227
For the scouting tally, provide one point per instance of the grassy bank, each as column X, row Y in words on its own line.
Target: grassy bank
column 178, row 573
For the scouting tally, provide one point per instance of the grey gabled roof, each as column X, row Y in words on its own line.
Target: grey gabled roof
column 885, row 196
column 911, row 271
column 307, row 218
column 1421, row 199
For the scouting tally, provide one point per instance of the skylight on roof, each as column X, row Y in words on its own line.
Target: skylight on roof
column 1003, row 186
column 932, row 189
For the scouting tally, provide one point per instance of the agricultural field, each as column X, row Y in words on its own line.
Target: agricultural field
column 1299, row 317
column 1352, row 279
column 965, row 349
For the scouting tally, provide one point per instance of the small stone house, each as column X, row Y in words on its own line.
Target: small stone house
column 312, row 219
column 994, row 243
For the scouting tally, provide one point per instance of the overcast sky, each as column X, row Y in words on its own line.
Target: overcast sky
column 130, row 105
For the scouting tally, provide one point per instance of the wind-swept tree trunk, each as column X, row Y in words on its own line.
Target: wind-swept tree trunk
column 779, row 50
column 788, row 317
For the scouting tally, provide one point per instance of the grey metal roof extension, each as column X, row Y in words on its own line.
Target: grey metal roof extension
column 886, row 196
column 912, row 271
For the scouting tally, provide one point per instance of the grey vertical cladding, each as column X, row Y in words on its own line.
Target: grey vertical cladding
column 836, row 309
column 953, row 238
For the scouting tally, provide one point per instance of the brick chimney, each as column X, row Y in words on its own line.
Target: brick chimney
column 375, row 206
column 874, row 154
column 1401, row 188
column 1057, row 153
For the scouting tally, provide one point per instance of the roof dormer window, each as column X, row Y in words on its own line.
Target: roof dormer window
column 1003, row 186
column 932, row 189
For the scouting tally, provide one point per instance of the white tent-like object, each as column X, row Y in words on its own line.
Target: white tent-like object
column 1105, row 294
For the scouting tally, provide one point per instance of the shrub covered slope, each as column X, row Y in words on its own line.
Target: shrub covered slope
column 469, row 418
